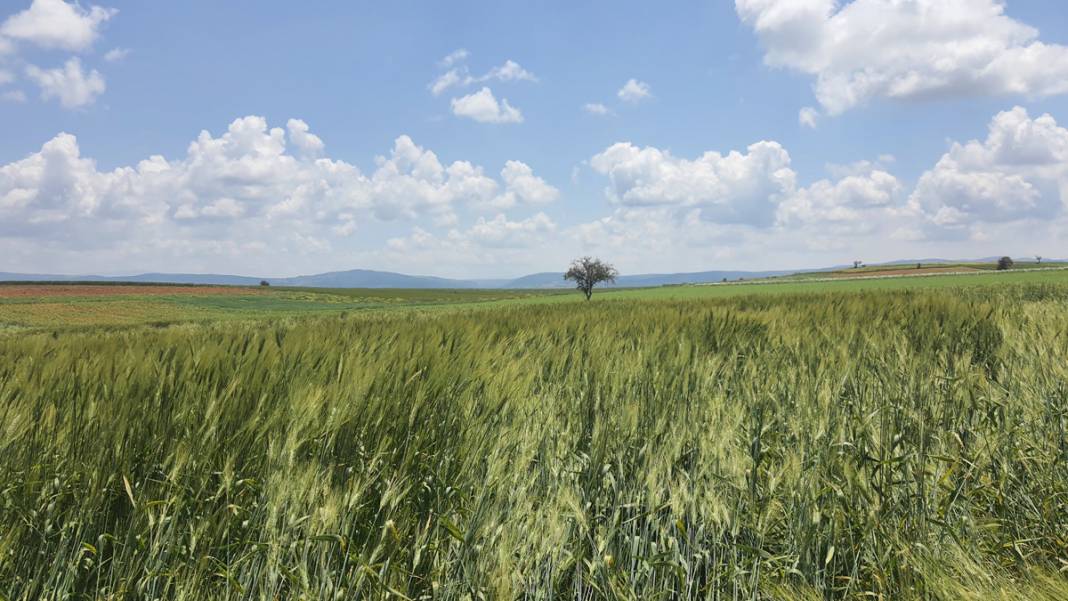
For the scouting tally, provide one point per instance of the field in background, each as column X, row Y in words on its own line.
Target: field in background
column 902, row 438
column 51, row 306
column 29, row 306
column 906, row 269
column 814, row 285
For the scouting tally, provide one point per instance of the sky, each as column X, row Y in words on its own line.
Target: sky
column 495, row 139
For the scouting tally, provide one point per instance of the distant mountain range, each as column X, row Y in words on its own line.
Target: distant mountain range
column 366, row 278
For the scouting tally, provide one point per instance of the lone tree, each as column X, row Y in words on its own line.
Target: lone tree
column 587, row 272
column 857, row 264
column 1038, row 259
column 264, row 283
column 1005, row 263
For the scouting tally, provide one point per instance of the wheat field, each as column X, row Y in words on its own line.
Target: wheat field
column 857, row 445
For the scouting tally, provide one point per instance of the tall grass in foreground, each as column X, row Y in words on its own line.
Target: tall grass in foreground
column 886, row 446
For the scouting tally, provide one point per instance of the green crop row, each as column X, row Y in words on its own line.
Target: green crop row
column 869, row 445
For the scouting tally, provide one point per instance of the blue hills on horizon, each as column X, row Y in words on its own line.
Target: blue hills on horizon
column 367, row 278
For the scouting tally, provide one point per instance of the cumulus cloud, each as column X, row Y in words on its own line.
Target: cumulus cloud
column 445, row 81
column 461, row 77
column 732, row 188
column 456, row 56
column 252, row 178
column 523, row 187
column 634, row 91
column 905, row 49
column 807, row 117
column 756, row 189
column 1010, row 188
column 303, row 139
column 1019, row 172
column 54, row 184
column 509, row 71
column 498, row 233
column 505, row 246
column 71, row 85
column 482, row 106
column 596, row 108
column 57, row 24
column 116, row 54
column 413, row 182
column 860, row 202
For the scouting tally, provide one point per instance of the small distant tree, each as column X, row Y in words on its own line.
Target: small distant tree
column 919, row 266
column 857, row 264
column 1038, row 259
column 264, row 283
column 1005, row 263
column 587, row 272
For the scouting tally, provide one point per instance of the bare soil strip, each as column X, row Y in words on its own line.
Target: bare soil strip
column 905, row 271
column 69, row 290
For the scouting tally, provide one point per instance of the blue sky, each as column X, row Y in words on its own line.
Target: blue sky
column 659, row 136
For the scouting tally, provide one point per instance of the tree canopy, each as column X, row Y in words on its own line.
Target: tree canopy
column 587, row 272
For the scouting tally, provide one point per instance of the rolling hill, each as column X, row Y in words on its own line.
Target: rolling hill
column 367, row 278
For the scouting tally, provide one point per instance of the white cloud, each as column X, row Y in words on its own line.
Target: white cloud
column 246, row 185
column 256, row 199
column 456, row 56
column 522, row 186
column 634, row 91
column 412, row 182
column 483, row 107
column 509, row 71
column 1019, row 172
column 499, row 231
column 499, row 234
column 905, row 49
column 807, row 117
column 306, row 142
column 860, row 168
column 596, row 108
column 732, row 188
column 646, row 239
column 718, row 198
column 57, row 24
column 461, row 77
column 116, row 54
column 71, row 85
column 445, row 81
column 860, row 202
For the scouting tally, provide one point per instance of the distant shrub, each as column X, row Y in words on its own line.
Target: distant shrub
column 1005, row 263
column 264, row 283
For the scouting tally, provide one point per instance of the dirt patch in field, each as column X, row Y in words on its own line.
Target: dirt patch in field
column 903, row 271
column 67, row 290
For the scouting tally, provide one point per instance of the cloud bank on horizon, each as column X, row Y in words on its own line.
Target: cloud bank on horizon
column 266, row 195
